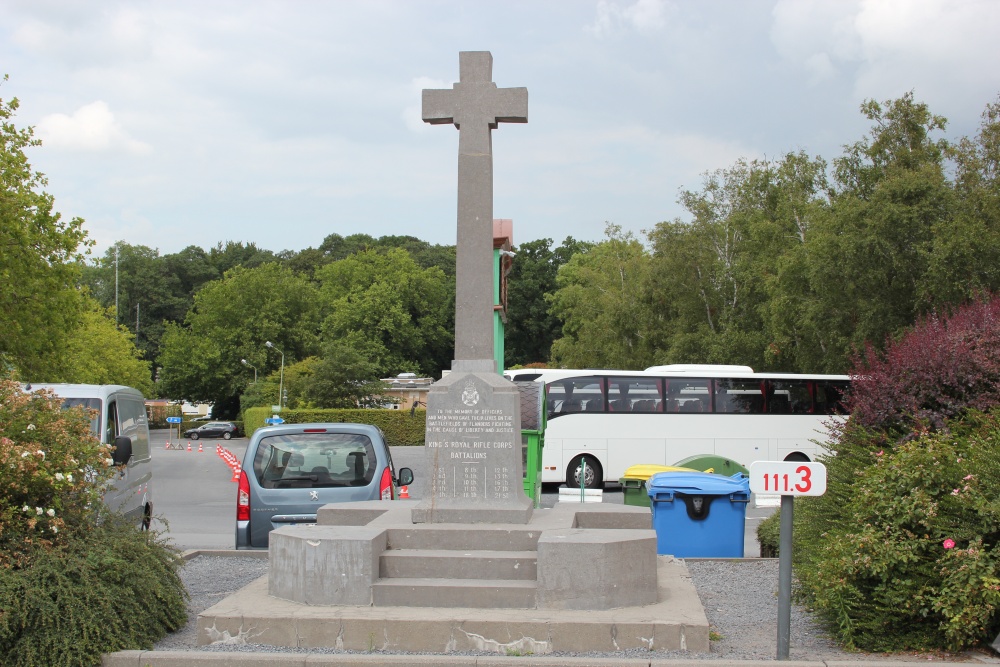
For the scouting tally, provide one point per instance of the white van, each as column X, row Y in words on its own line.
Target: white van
column 120, row 421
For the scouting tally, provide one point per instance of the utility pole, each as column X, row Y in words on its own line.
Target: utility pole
column 137, row 325
column 116, row 284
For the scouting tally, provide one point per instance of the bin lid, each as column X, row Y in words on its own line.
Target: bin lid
column 644, row 471
column 697, row 483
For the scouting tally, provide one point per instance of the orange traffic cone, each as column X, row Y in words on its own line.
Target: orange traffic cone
column 168, row 445
column 404, row 493
column 189, row 445
column 200, row 449
column 236, row 473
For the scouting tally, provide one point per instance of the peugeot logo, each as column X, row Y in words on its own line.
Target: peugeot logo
column 313, row 495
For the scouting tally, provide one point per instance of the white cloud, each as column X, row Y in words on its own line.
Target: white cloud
column 642, row 15
column 92, row 128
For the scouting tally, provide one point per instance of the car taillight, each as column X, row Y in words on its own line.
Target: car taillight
column 385, row 485
column 243, row 498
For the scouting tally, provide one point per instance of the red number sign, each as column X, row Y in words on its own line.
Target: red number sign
column 788, row 478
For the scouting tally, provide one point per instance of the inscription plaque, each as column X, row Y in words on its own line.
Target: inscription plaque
column 473, row 449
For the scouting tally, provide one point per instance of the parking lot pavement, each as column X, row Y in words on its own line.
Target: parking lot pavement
column 195, row 498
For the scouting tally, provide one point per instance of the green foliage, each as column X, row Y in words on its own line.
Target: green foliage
column 600, row 301
column 75, row 580
column 231, row 320
column 49, row 459
column 401, row 427
column 769, row 535
column 389, row 309
column 39, row 252
column 531, row 326
column 99, row 352
column 916, row 564
column 107, row 587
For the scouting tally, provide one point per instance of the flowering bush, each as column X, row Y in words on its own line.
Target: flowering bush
column 75, row 581
column 53, row 469
column 917, row 566
column 901, row 551
column 941, row 368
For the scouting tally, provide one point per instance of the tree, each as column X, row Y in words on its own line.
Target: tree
column 391, row 310
column 344, row 378
column 231, row 320
column 871, row 253
column 602, row 303
column 39, row 253
column 531, row 326
column 150, row 290
column 100, row 352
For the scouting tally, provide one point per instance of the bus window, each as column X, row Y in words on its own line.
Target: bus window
column 739, row 396
column 786, row 397
column 688, row 395
column 631, row 394
column 830, row 397
column 575, row 395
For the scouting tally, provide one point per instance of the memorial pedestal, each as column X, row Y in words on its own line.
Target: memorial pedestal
column 473, row 450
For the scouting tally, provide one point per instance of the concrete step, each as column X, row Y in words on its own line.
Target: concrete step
column 451, row 593
column 463, row 537
column 463, row 564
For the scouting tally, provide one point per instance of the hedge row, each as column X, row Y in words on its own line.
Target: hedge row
column 399, row 426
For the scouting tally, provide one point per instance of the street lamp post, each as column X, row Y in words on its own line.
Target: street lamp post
column 249, row 365
column 281, row 377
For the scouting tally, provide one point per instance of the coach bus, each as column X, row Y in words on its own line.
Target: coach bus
column 617, row 419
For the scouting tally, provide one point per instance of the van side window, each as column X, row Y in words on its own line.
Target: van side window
column 111, row 430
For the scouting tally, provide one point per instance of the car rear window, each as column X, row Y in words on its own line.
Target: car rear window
column 314, row 460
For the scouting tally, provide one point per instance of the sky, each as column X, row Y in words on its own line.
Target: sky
column 169, row 124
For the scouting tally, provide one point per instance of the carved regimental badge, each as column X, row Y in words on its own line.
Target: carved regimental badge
column 469, row 395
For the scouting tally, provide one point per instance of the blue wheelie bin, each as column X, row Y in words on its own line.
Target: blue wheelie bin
column 699, row 514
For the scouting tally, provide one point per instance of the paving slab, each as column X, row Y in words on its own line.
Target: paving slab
column 676, row 621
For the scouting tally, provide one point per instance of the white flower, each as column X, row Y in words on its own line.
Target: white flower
column 25, row 509
column 39, row 511
column 108, row 462
column 51, row 512
column 31, row 427
column 41, row 453
column 24, row 455
column 54, row 529
column 60, row 477
column 69, row 477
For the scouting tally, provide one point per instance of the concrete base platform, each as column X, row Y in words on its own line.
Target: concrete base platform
column 675, row 622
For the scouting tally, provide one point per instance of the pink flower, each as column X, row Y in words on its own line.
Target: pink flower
column 949, row 544
column 955, row 492
column 881, row 452
column 967, row 478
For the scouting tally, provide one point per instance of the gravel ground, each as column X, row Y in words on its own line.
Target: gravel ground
column 740, row 600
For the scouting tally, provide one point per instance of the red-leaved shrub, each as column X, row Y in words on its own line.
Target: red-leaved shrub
column 942, row 367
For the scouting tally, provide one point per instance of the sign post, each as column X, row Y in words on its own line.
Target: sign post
column 790, row 479
column 171, row 421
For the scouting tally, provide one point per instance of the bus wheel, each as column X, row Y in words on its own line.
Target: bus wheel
column 594, row 478
column 797, row 457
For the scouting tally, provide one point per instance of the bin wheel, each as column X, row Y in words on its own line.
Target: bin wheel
column 594, row 478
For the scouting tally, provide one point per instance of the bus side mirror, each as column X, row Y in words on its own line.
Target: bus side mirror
column 123, row 450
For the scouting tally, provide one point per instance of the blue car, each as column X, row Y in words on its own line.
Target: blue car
column 290, row 471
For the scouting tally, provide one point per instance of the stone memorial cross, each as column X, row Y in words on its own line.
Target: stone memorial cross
column 475, row 105
column 473, row 437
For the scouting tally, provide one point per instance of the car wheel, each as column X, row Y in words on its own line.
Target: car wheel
column 194, row 435
column 147, row 519
column 227, row 435
column 594, row 478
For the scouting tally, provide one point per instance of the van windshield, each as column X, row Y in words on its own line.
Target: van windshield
column 87, row 404
column 314, row 460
